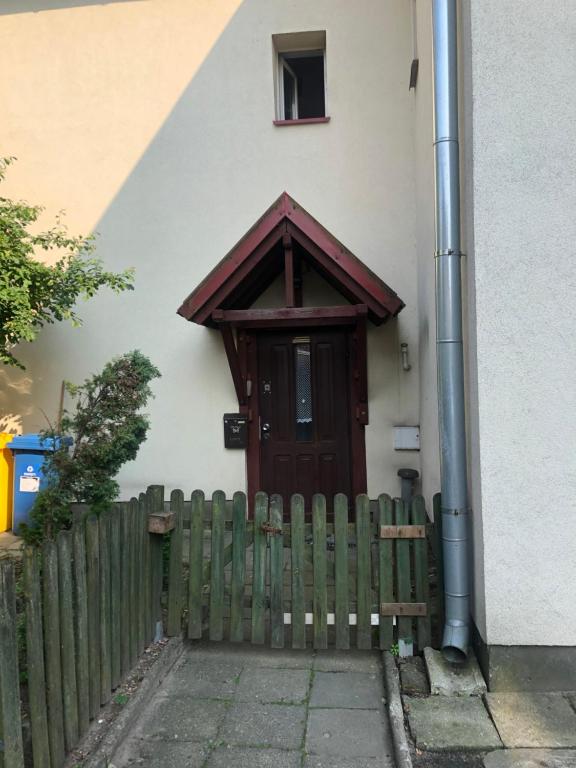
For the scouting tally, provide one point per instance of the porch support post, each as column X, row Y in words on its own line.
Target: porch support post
column 234, row 362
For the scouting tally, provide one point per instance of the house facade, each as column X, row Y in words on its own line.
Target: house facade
column 174, row 129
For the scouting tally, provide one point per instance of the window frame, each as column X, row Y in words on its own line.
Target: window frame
column 296, row 45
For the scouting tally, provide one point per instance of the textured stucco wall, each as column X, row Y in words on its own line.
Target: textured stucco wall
column 151, row 123
column 520, row 242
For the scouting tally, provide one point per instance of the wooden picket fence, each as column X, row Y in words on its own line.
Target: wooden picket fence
column 355, row 580
column 91, row 603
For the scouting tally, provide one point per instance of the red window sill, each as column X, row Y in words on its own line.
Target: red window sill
column 303, row 121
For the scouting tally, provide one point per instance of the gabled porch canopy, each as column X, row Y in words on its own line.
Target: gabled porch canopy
column 284, row 237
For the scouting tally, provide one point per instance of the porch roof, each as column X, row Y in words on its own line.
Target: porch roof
column 257, row 259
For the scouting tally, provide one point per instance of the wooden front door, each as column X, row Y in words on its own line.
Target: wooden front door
column 304, row 409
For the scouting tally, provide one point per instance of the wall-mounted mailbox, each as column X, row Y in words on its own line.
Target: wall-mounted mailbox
column 235, row 430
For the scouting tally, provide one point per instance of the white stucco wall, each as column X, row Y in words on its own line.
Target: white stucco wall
column 521, row 232
column 151, row 123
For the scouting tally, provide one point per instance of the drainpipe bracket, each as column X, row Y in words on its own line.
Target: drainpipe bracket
column 448, row 252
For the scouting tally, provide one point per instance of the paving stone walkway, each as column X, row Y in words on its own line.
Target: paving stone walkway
column 228, row 707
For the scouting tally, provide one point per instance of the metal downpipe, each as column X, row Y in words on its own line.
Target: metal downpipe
column 449, row 344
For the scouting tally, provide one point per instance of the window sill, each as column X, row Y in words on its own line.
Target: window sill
column 303, row 121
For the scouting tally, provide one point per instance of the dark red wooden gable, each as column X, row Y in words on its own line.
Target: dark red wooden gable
column 258, row 258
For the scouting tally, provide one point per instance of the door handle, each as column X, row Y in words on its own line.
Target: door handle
column 265, row 429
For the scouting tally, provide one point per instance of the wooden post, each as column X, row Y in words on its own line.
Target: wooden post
column 69, row 687
column 364, row 592
column 93, row 584
column 81, row 626
column 276, row 573
column 175, row 583
column 385, row 572
column 11, row 729
column 51, row 601
column 341, row 558
column 405, row 634
column 298, row 567
column 195, row 566
column 238, row 568
column 126, row 627
column 35, row 660
column 155, row 497
column 319, row 568
column 217, row 569
column 105, row 633
column 259, row 576
column 115, row 593
column 421, row 591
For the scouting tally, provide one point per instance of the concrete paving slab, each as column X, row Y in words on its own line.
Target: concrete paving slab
column 163, row 755
column 347, row 733
column 318, row 761
column 251, row 655
column 249, row 757
column 453, row 679
column 347, row 690
column 207, row 679
column 413, row 676
column 181, row 719
column 268, row 686
column 531, row 758
column 450, row 723
column 264, row 725
column 347, row 661
column 533, row 719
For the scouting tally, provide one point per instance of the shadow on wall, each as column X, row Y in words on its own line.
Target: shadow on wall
column 15, row 392
column 9, row 7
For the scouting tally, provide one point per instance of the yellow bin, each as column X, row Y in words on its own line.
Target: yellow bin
column 6, row 474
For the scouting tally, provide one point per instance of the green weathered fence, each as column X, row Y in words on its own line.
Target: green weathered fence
column 90, row 602
column 358, row 579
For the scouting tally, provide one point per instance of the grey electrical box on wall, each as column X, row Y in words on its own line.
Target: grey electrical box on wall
column 407, row 438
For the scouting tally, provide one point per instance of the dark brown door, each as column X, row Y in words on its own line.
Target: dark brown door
column 304, row 414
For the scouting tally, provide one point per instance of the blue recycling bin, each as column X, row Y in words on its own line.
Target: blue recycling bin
column 29, row 454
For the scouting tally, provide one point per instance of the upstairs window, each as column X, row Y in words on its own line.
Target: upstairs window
column 300, row 67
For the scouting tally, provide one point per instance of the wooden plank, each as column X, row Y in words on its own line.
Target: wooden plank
column 276, row 575
column 68, row 649
column 137, row 635
column 341, row 559
column 115, row 596
column 35, row 659
column 51, row 602
column 216, row 620
column 437, row 509
column 195, row 566
column 238, row 568
column 405, row 633
column 363, row 573
column 105, row 633
column 288, row 317
column 385, row 572
column 421, row 588
column 93, row 589
column 81, row 625
column 234, row 362
column 403, row 609
column 298, row 569
column 259, row 576
column 403, row 531
column 155, row 493
column 143, row 569
column 126, row 628
column 290, row 300
column 175, row 578
column 9, row 676
column 319, row 570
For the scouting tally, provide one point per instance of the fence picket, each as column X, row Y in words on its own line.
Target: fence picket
column 175, row 583
column 298, row 624
column 276, row 574
column 419, row 517
column 217, row 572
column 259, row 575
column 50, row 597
column 405, row 635
column 143, row 569
column 35, row 660
column 68, row 660
column 155, row 494
column 105, row 631
column 341, row 558
column 11, row 729
column 238, row 568
column 125, row 606
column 137, row 586
column 195, row 566
column 93, row 589
column 363, row 586
column 319, row 569
column 439, row 553
column 81, row 625
column 115, row 595
column 385, row 572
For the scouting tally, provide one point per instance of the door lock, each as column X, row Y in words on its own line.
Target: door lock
column 265, row 431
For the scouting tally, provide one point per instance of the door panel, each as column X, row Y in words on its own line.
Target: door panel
column 304, row 414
